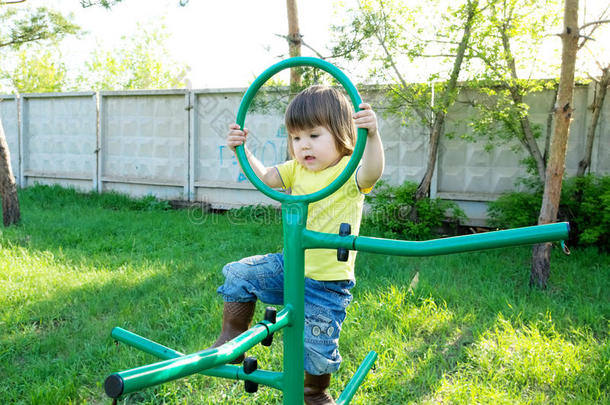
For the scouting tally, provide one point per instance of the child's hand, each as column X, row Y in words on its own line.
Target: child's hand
column 366, row 118
column 236, row 136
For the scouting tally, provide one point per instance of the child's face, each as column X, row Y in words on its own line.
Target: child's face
column 315, row 149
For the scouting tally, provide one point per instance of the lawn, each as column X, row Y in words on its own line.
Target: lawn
column 464, row 328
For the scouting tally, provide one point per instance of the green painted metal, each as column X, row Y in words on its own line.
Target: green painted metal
column 294, row 217
column 358, row 148
column 353, row 384
column 138, row 378
column 269, row 378
column 296, row 240
column 457, row 244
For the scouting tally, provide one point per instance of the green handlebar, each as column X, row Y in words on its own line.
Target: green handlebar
column 358, row 149
column 456, row 244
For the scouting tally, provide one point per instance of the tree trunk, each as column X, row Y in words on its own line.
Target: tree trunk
column 549, row 127
column 532, row 144
column 8, row 187
column 447, row 98
column 294, row 41
column 517, row 96
column 555, row 166
column 596, row 109
column 294, row 49
column 423, row 190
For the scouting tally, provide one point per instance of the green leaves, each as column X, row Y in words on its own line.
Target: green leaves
column 18, row 27
column 585, row 203
column 393, row 208
column 38, row 72
column 140, row 63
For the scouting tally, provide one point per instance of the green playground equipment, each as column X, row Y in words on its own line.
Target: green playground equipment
column 213, row 362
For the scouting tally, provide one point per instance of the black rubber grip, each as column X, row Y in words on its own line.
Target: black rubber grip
column 342, row 253
column 270, row 316
column 114, row 385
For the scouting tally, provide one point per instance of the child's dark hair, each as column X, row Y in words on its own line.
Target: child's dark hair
column 326, row 107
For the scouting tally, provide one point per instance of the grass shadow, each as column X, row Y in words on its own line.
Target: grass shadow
column 80, row 265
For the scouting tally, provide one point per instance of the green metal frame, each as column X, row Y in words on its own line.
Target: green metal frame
column 297, row 239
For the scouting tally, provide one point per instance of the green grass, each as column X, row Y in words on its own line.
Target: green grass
column 453, row 329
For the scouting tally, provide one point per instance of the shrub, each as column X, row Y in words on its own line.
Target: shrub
column 585, row 203
column 514, row 210
column 394, row 213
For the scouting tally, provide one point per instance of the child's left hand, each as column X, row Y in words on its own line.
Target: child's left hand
column 366, row 118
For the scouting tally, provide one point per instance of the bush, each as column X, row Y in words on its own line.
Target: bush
column 514, row 210
column 585, row 203
column 395, row 214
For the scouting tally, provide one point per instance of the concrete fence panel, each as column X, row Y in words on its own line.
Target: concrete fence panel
column 58, row 139
column 9, row 119
column 217, row 177
column 144, row 143
column 171, row 144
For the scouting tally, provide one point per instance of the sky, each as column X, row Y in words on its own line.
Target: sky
column 226, row 43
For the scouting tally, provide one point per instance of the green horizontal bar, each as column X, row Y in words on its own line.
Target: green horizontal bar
column 320, row 240
column 353, row 384
column 138, row 378
column 457, row 244
column 269, row 378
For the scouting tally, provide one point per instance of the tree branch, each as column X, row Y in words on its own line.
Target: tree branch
column 289, row 39
column 440, row 55
column 593, row 23
column 596, row 24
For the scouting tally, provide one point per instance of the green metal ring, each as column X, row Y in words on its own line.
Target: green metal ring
column 358, row 149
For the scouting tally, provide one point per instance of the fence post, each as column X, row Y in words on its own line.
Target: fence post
column 190, row 145
column 96, row 171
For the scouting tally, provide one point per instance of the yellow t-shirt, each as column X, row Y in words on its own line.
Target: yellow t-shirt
column 326, row 215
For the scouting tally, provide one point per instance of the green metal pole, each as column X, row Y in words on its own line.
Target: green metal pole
column 456, row 244
column 138, row 378
column 269, row 378
column 294, row 216
column 353, row 384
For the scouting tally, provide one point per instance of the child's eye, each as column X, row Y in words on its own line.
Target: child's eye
column 296, row 138
column 314, row 135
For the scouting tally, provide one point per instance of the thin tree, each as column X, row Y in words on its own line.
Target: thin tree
column 294, row 41
column 601, row 84
column 601, row 88
column 447, row 98
column 8, row 187
column 17, row 30
column 510, row 38
column 387, row 34
column 570, row 36
column 559, row 142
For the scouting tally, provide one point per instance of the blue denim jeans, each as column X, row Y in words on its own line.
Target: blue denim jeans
column 262, row 277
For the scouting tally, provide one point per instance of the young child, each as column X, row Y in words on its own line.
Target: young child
column 322, row 133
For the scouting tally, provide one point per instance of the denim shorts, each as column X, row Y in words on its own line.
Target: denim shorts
column 262, row 277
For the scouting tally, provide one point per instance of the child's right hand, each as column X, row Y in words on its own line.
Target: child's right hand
column 236, row 136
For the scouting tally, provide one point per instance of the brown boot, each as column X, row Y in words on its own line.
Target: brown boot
column 236, row 318
column 315, row 390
